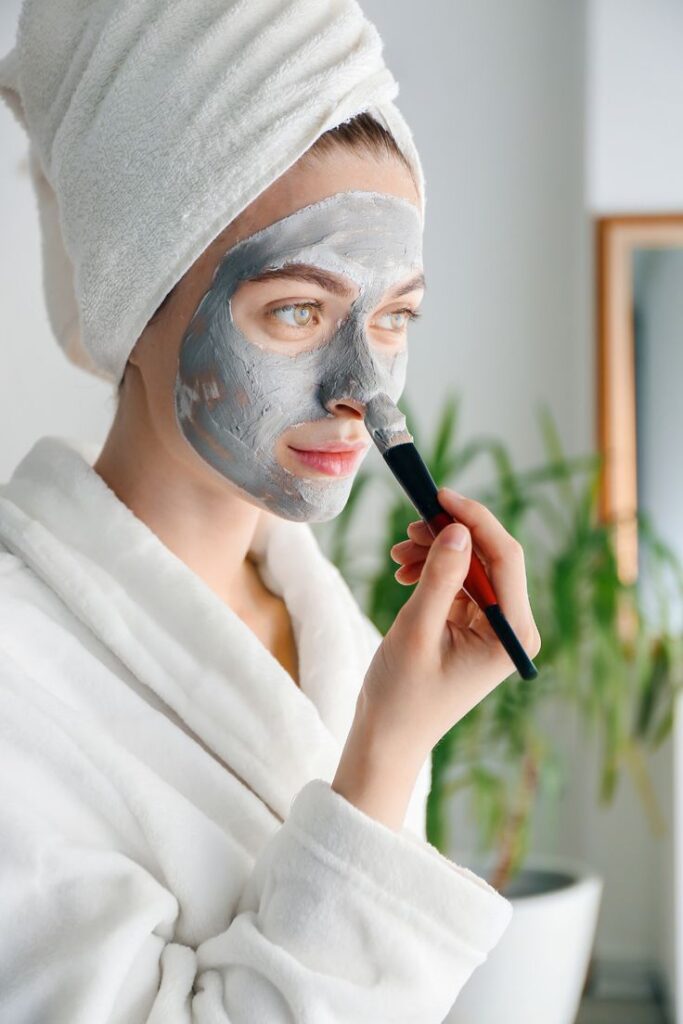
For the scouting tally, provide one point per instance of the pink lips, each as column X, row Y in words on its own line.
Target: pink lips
column 335, row 458
column 336, row 446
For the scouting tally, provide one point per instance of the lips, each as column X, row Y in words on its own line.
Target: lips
column 333, row 446
column 334, row 458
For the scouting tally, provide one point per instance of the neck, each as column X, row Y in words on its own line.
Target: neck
column 209, row 527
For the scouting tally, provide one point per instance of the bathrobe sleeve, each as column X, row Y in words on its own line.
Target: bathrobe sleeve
column 341, row 920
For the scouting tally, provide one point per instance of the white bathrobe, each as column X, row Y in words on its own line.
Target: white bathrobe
column 171, row 849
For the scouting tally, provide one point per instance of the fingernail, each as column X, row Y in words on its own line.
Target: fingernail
column 454, row 494
column 456, row 537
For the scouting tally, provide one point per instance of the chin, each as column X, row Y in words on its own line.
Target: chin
column 307, row 516
column 310, row 510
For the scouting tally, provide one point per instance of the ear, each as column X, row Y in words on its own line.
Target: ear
column 134, row 355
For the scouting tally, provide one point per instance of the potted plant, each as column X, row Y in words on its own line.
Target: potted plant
column 605, row 657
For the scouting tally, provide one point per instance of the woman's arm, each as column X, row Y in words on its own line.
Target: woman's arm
column 374, row 776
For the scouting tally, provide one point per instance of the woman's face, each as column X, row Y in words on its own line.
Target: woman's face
column 288, row 324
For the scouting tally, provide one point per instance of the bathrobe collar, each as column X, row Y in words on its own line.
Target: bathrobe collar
column 176, row 635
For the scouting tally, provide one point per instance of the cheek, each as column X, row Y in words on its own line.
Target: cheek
column 245, row 316
column 393, row 373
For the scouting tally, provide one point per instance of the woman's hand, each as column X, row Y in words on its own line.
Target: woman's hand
column 441, row 657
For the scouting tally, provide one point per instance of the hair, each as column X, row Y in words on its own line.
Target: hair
column 362, row 132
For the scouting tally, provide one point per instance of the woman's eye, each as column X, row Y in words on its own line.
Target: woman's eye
column 397, row 320
column 297, row 315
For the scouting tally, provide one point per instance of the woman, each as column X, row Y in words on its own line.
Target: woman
column 214, row 768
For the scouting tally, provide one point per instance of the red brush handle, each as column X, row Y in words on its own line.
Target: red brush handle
column 476, row 585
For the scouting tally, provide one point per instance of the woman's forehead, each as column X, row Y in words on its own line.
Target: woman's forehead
column 308, row 182
column 368, row 237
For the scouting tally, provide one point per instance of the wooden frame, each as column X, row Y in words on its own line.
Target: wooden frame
column 616, row 238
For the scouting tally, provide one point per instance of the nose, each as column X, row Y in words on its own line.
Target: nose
column 338, row 406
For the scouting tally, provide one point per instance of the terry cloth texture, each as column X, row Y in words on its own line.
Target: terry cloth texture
column 172, row 851
column 153, row 123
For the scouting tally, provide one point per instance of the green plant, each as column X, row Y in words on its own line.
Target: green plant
column 605, row 655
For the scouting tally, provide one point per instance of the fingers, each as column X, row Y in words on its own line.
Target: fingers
column 414, row 549
column 477, row 517
column 442, row 576
column 407, row 551
column 498, row 549
column 411, row 555
column 488, row 533
column 409, row 573
column 420, row 532
column 504, row 558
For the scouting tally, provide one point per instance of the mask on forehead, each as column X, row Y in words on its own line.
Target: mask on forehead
column 233, row 399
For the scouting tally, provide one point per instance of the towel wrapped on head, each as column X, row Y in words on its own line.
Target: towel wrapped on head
column 153, row 123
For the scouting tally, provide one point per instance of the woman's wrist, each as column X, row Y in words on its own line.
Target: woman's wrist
column 377, row 772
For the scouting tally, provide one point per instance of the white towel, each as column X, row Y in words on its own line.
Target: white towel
column 153, row 123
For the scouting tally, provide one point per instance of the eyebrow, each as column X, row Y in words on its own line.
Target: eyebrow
column 330, row 282
column 409, row 286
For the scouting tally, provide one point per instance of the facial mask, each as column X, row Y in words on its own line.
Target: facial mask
column 233, row 399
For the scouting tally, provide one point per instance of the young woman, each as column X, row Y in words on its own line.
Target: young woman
column 213, row 767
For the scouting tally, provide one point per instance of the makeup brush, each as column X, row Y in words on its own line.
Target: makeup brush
column 387, row 426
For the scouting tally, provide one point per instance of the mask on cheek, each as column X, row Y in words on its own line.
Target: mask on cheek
column 234, row 399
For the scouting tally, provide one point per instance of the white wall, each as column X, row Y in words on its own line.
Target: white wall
column 635, row 137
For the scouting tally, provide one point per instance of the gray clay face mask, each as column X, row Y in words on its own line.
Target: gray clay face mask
column 234, row 399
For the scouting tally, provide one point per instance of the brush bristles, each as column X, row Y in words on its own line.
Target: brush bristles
column 386, row 423
column 386, row 439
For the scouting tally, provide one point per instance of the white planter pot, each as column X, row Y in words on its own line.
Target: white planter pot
column 536, row 973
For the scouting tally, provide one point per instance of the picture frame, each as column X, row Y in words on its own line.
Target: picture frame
column 617, row 237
